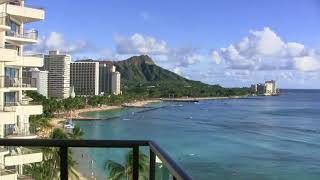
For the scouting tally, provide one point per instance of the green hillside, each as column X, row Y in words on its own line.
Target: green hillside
column 142, row 75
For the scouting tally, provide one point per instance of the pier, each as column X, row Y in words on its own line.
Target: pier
column 179, row 100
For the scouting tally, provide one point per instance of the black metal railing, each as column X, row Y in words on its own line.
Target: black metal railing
column 27, row 82
column 155, row 151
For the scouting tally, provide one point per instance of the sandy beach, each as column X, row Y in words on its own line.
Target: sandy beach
column 57, row 122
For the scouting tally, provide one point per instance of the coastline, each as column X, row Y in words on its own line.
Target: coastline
column 58, row 122
column 203, row 98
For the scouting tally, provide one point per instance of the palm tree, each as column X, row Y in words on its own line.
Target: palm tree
column 77, row 133
column 49, row 168
column 119, row 171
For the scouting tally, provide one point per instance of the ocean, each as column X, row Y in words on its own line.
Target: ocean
column 263, row 138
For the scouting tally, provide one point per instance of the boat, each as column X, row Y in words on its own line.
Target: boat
column 69, row 124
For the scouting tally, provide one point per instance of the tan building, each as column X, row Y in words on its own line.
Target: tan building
column 15, row 107
column 84, row 78
column 58, row 66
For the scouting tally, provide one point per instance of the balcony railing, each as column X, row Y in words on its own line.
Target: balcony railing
column 20, row 131
column 28, row 34
column 26, row 82
column 155, row 151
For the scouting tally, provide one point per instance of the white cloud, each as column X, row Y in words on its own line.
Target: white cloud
column 139, row 44
column 177, row 70
column 265, row 50
column 54, row 41
column 307, row 63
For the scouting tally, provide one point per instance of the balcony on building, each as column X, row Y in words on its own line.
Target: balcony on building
column 3, row 25
column 8, row 174
column 25, row 13
column 8, row 116
column 27, row 37
column 22, row 155
column 10, row 55
column 12, row 131
column 16, row 83
column 27, row 108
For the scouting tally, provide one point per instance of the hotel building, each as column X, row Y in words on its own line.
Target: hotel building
column 84, row 77
column 15, row 107
column 115, row 87
column 267, row 89
column 270, row 87
column 106, row 69
column 41, row 77
column 58, row 66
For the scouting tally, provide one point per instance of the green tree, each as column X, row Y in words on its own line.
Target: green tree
column 77, row 133
column 49, row 168
column 119, row 171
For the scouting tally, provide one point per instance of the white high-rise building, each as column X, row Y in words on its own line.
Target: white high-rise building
column 84, row 77
column 58, row 66
column 41, row 79
column 115, row 87
column 15, row 108
column 270, row 87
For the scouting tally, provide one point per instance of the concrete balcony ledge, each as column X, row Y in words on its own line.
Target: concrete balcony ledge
column 25, row 14
column 3, row 25
column 22, row 136
column 8, row 55
column 8, row 175
column 4, row 151
column 27, row 109
column 21, row 40
column 26, row 156
column 7, row 117
column 25, row 61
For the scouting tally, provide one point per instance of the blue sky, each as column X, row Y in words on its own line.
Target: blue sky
column 262, row 40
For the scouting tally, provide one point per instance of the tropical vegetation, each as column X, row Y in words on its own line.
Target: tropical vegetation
column 49, row 168
column 118, row 171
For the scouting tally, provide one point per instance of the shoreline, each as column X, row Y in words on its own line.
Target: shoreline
column 58, row 122
column 203, row 98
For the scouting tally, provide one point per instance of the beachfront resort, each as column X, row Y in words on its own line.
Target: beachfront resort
column 71, row 115
column 51, row 77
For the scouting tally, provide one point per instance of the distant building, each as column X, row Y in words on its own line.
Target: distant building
column 270, row 87
column 41, row 79
column 58, row 67
column 84, row 77
column 254, row 88
column 260, row 89
column 115, row 87
column 106, row 68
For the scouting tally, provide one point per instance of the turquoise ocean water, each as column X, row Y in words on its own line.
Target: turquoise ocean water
column 257, row 138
